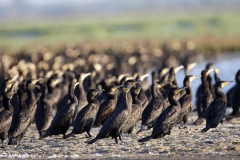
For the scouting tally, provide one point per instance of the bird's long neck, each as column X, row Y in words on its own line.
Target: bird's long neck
column 220, row 94
column 22, row 103
column 44, row 92
column 111, row 96
column 188, row 89
column 92, row 99
column 172, row 100
column 205, row 83
column 72, row 96
column 81, row 89
column 136, row 100
column 30, row 93
column 6, row 104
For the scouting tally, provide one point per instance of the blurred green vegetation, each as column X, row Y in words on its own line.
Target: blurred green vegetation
column 222, row 29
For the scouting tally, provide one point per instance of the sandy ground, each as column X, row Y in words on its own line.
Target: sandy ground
column 222, row 142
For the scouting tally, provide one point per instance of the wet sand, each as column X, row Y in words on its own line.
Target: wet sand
column 222, row 142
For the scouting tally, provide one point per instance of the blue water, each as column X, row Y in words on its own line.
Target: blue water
column 228, row 66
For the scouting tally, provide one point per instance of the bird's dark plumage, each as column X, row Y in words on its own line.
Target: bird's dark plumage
column 44, row 112
column 107, row 107
column 167, row 119
column 204, row 98
column 154, row 108
column 64, row 116
column 20, row 122
column 217, row 109
column 87, row 116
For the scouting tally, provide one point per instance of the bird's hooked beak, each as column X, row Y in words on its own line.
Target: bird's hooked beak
column 137, row 90
column 34, row 81
column 126, row 88
column 116, row 87
column 160, row 85
column 178, row 68
column 209, row 71
column 142, row 77
column 85, row 75
column 225, row 83
column 56, row 81
column 180, row 89
column 194, row 77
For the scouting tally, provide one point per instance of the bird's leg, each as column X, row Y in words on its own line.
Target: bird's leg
column 88, row 134
column 120, row 138
column 116, row 140
column 2, row 145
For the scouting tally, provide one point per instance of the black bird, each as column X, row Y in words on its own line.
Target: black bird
column 6, row 116
column 209, row 80
column 31, row 102
column 204, row 98
column 136, row 111
column 53, row 93
column 113, row 125
column 235, row 97
column 154, row 108
column 87, row 116
column 19, row 123
column 44, row 112
column 63, row 119
column 173, row 71
column 167, row 119
column 142, row 95
column 217, row 109
column 231, row 91
column 188, row 67
column 186, row 100
column 81, row 94
column 107, row 107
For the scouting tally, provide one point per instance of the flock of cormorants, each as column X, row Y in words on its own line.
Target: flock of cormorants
column 53, row 94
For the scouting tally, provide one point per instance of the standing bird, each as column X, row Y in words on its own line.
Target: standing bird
column 31, row 102
column 186, row 100
column 154, row 108
column 136, row 111
column 44, row 112
column 204, row 98
column 235, row 97
column 167, row 119
column 217, row 109
column 87, row 116
column 6, row 116
column 113, row 125
column 142, row 95
column 173, row 71
column 19, row 123
column 107, row 107
column 81, row 94
column 64, row 116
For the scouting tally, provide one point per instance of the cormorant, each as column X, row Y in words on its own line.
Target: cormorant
column 186, row 100
column 113, row 125
column 142, row 95
column 167, row 119
column 154, row 108
column 64, row 116
column 31, row 102
column 204, row 98
column 107, row 107
column 235, row 97
column 86, row 116
column 173, row 71
column 19, row 123
column 136, row 111
column 6, row 115
column 44, row 112
column 217, row 109
column 81, row 94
